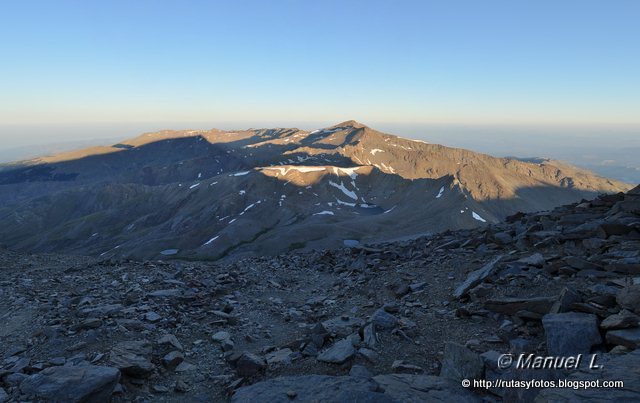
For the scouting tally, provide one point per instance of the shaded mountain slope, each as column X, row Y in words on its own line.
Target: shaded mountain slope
column 213, row 194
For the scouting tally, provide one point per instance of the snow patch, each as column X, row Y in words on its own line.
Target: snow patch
column 240, row 173
column 376, row 150
column 344, row 190
column 325, row 212
column 440, row 193
column 211, row 240
column 194, row 186
column 477, row 217
column 345, row 203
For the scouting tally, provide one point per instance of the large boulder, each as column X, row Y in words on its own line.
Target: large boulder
column 88, row 383
column 461, row 363
column 571, row 333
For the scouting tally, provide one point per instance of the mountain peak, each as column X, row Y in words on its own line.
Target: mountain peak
column 349, row 123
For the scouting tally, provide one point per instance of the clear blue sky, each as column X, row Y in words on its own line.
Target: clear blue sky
column 556, row 62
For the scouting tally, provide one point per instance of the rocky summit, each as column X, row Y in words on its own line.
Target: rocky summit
column 402, row 321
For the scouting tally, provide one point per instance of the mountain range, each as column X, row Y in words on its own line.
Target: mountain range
column 212, row 194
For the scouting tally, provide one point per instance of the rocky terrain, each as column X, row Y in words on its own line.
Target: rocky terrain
column 212, row 194
column 401, row 321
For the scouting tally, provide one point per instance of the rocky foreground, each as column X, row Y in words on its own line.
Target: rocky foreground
column 401, row 321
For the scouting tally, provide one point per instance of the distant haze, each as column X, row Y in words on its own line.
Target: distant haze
column 609, row 151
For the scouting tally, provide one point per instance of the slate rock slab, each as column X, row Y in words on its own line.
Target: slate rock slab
column 72, row 384
column 571, row 333
column 340, row 352
column 476, row 278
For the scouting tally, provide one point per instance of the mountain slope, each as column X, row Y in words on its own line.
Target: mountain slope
column 213, row 194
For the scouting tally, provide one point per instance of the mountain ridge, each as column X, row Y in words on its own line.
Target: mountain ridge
column 214, row 194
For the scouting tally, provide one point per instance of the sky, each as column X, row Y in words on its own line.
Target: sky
column 78, row 70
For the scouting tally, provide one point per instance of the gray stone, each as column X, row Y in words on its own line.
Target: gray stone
column 502, row 238
column 369, row 336
column 282, row 356
column 401, row 367
column 4, row 397
column 369, row 355
column 152, row 317
column 340, row 352
column 14, row 379
column 172, row 360
column 629, row 298
column 629, row 338
column 72, row 384
column 131, row 357
column 417, row 286
column 360, row 371
column 185, row 367
column 171, row 340
column 224, row 338
column 312, row 388
column 581, row 264
column 342, row 325
column 461, row 363
column 423, row 388
column 536, row 260
column 173, row 292
column 621, row 320
column 520, row 345
column 384, row 320
column 571, row 333
column 476, row 277
column 515, row 306
column 102, row 310
column 220, row 336
column 250, row 364
column 91, row 323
